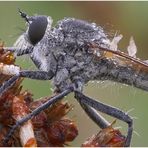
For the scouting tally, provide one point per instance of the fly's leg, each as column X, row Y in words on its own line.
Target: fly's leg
column 109, row 110
column 95, row 116
column 38, row 75
column 36, row 112
column 91, row 112
column 8, row 84
column 18, row 51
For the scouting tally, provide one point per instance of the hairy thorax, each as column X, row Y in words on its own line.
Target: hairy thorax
column 75, row 62
column 65, row 52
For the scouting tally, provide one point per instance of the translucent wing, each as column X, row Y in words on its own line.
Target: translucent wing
column 146, row 61
column 132, row 49
column 115, row 41
column 121, row 57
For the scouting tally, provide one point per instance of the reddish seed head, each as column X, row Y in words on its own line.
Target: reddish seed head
column 108, row 137
column 62, row 131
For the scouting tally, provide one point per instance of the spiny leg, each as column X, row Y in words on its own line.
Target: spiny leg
column 8, row 84
column 95, row 116
column 19, row 51
column 109, row 110
column 36, row 112
column 38, row 75
column 91, row 112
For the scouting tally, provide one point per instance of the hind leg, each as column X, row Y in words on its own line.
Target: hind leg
column 109, row 110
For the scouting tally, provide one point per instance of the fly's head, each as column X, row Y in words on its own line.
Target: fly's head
column 38, row 26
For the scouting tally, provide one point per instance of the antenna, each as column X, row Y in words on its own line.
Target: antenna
column 24, row 15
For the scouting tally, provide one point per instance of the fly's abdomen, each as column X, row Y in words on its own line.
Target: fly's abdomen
column 130, row 73
column 120, row 67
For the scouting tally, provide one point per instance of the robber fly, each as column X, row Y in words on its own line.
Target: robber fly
column 71, row 54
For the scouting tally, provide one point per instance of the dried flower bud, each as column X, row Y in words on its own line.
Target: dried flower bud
column 62, row 131
column 108, row 137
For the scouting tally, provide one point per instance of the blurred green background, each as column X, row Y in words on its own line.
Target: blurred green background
column 127, row 18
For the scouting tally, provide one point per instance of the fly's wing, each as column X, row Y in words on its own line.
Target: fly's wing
column 121, row 67
column 22, row 45
column 121, row 57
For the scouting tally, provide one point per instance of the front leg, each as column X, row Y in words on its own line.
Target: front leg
column 19, row 51
column 38, row 75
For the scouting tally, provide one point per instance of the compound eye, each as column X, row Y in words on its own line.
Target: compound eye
column 37, row 29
